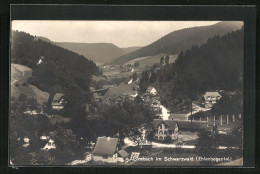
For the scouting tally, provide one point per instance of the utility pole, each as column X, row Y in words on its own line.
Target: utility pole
column 191, row 108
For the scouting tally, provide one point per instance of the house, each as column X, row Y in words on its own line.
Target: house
column 210, row 98
column 97, row 98
column 26, row 141
column 107, row 150
column 44, row 138
column 58, row 101
column 49, row 145
column 155, row 105
column 151, row 91
column 176, row 129
column 92, row 89
column 165, row 128
column 119, row 99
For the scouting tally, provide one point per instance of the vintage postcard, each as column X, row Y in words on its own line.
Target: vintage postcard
column 126, row 93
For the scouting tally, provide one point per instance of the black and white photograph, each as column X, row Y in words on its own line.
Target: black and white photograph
column 126, row 93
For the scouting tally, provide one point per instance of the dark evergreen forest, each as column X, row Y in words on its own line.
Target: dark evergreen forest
column 59, row 70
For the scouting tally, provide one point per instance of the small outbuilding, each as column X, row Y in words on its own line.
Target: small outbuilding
column 107, row 150
column 58, row 101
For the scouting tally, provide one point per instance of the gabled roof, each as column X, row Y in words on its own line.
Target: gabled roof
column 210, row 94
column 106, row 146
column 57, row 96
column 119, row 98
column 123, row 153
column 182, row 125
column 150, row 88
column 171, row 124
column 192, row 125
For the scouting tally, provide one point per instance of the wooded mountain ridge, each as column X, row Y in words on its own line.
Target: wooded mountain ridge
column 215, row 65
column 98, row 52
column 181, row 40
column 55, row 69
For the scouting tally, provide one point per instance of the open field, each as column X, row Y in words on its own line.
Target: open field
column 150, row 60
column 123, row 89
column 19, row 76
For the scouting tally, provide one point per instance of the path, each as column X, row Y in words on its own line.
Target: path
column 77, row 162
column 128, row 142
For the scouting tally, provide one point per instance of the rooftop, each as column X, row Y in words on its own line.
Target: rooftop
column 211, row 94
column 57, row 96
column 182, row 125
column 123, row 153
column 106, row 146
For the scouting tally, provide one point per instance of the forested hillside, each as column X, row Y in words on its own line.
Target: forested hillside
column 54, row 68
column 98, row 52
column 215, row 65
column 181, row 40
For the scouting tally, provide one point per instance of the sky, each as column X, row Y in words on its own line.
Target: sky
column 121, row 33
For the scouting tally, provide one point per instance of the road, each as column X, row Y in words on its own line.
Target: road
column 78, row 162
column 128, row 142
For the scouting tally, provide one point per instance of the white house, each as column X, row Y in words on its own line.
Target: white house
column 50, row 145
column 151, row 90
column 26, row 142
column 58, row 101
column 210, row 98
column 178, row 129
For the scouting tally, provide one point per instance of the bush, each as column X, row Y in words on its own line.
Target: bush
column 168, row 139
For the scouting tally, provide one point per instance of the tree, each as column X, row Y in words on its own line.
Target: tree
column 229, row 104
column 206, row 145
column 124, row 119
column 136, row 64
column 168, row 139
column 162, row 60
column 134, row 76
column 67, row 145
column 153, row 77
column 44, row 158
column 167, row 60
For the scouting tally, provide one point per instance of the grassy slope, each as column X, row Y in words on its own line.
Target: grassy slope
column 19, row 76
column 121, row 90
column 150, row 60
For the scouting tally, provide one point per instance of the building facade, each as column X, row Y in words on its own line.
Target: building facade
column 58, row 101
column 108, row 150
column 210, row 98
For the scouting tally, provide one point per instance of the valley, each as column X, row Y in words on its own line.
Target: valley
column 98, row 104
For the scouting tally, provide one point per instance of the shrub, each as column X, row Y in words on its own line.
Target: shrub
column 168, row 139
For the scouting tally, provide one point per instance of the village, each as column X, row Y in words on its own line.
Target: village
column 170, row 130
column 175, row 100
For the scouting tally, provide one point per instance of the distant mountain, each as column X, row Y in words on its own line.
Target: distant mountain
column 181, row 40
column 130, row 49
column 98, row 52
